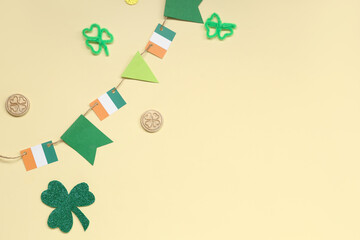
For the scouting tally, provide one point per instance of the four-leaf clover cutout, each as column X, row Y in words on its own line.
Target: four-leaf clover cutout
column 56, row 196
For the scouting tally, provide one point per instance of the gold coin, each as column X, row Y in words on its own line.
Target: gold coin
column 17, row 105
column 151, row 121
column 131, row 2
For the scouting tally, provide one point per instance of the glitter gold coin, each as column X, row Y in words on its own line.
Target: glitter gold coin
column 151, row 121
column 131, row 2
column 17, row 105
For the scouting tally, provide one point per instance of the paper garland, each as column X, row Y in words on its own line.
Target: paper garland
column 82, row 135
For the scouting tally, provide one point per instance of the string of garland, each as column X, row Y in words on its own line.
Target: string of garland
column 82, row 135
column 2, row 157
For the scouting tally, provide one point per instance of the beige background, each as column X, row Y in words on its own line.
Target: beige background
column 261, row 135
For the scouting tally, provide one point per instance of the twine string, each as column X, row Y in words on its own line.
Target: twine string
column 122, row 79
column 54, row 143
column 91, row 108
column 11, row 159
column 150, row 45
column 163, row 24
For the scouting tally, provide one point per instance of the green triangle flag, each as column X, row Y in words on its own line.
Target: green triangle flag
column 139, row 70
column 85, row 138
column 187, row 10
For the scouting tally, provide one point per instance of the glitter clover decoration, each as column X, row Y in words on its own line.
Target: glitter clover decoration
column 97, row 39
column 56, row 196
column 215, row 22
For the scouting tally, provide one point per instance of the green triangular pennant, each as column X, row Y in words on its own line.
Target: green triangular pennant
column 85, row 138
column 139, row 70
column 187, row 10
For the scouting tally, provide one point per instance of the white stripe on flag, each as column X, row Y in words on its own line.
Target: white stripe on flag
column 39, row 156
column 160, row 40
column 107, row 103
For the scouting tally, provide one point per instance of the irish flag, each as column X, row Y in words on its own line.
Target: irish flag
column 160, row 41
column 107, row 104
column 38, row 156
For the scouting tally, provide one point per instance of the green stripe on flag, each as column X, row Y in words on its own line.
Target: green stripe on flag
column 165, row 32
column 116, row 98
column 50, row 153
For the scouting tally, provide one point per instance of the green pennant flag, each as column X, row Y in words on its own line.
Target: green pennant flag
column 85, row 138
column 187, row 10
column 139, row 70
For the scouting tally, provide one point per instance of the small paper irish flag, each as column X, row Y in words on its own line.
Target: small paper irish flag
column 38, row 156
column 160, row 41
column 107, row 104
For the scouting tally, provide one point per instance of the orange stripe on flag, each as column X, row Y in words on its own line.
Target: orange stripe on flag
column 156, row 50
column 28, row 159
column 99, row 110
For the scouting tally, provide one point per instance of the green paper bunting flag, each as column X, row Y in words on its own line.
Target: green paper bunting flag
column 85, row 138
column 187, row 10
column 139, row 70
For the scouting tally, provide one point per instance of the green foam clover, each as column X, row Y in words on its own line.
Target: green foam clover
column 97, row 39
column 56, row 196
column 215, row 22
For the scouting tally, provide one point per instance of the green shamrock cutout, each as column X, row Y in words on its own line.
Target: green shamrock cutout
column 56, row 196
column 228, row 28
column 98, row 39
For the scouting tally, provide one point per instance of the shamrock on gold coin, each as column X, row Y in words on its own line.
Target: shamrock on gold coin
column 17, row 105
column 151, row 121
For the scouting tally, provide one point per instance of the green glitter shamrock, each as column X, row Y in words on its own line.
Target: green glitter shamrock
column 219, row 26
column 98, row 39
column 56, row 196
